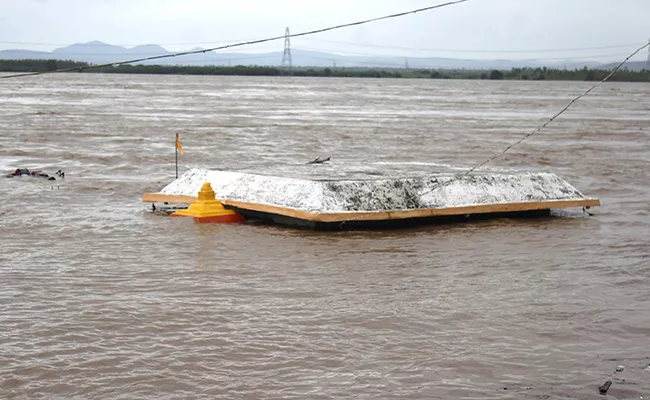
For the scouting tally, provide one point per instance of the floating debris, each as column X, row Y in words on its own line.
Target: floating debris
column 605, row 387
column 24, row 172
column 319, row 160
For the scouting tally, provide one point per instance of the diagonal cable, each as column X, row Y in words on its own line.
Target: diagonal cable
column 539, row 128
column 519, row 141
column 184, row 53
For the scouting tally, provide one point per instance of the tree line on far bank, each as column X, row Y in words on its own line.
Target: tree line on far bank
column 584, row 74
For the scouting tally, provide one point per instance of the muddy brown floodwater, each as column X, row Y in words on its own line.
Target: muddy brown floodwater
column 101, row 299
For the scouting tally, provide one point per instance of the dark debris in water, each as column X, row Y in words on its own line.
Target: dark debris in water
column 24, row 172
column 166, row 208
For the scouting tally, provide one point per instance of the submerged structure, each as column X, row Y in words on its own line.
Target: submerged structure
column 362, row 202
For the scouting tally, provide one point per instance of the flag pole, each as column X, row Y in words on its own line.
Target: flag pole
column 178, row 149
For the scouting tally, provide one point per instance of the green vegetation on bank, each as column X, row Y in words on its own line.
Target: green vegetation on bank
column 584, row 74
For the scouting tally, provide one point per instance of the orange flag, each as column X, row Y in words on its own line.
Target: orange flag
column 178, row 144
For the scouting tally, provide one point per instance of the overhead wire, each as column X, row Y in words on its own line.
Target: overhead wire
column 517, row 142
column 99, row 43
column 354, row 44
column 483, row 50
column 240, row 44
column 341, row 54
column 466, row 173
column 562, row 111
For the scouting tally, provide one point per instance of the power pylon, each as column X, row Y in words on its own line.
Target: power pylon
column 286, row 57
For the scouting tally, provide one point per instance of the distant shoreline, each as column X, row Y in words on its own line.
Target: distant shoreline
column 538, row 74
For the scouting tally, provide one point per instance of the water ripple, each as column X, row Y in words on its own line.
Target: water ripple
column 102, row 299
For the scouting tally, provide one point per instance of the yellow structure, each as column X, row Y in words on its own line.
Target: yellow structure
column 208, row 209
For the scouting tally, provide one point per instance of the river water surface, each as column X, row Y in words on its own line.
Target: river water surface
column 101, row 299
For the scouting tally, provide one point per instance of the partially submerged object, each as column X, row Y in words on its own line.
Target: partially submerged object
column 208, row 209
column 22, row 172
column 319, row 160
column 348, row 203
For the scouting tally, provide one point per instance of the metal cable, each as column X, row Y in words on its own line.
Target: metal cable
column 518, row 142
column 605, row 79
column 331, row 28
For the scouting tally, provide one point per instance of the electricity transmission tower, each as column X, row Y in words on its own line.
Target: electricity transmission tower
column 286, row 57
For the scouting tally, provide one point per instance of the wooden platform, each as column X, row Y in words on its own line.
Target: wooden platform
column 328, row 204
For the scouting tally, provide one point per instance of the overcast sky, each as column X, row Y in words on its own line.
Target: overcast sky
column 599, row 30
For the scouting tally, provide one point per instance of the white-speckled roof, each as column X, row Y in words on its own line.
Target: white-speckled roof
column 341, row 195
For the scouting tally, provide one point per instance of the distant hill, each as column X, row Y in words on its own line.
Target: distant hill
column 18, row 54
column 631, row 65
column 97, row 52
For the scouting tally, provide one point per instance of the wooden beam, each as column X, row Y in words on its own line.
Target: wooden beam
column 464, row 210
column 382, row 215
column 265, row 208
column 167, row 198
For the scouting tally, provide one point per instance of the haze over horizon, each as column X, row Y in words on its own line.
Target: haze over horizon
column 552, row 30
